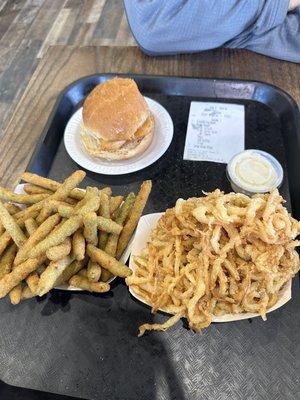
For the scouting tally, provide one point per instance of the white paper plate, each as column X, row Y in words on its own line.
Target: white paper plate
column 146, row 223
column 162, row 138
column 123, row 259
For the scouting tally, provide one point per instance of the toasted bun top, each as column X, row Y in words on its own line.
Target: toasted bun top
column 115, row 110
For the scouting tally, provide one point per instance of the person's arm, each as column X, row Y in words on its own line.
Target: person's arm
column 182, row 26
column 283, row 41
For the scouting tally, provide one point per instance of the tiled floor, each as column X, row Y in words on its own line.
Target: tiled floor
column 29, row 27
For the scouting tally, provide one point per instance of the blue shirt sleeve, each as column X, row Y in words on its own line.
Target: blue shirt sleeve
column 282, row 41
column 184, row 26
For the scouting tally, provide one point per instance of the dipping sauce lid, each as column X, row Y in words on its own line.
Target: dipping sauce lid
column 254, row 171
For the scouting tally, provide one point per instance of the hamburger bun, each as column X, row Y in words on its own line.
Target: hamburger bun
column 119, row 150
column 115, row 110
column 117, row 122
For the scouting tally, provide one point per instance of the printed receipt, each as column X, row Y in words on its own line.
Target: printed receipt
column 215, row 132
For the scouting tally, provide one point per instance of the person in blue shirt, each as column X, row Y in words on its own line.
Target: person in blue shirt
column 270, row 27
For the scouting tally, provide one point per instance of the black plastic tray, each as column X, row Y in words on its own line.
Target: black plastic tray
column 85, row 345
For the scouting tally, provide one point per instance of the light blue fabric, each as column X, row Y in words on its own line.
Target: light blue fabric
column 185, row 26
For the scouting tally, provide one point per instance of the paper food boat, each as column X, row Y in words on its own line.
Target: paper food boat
column 142, row 235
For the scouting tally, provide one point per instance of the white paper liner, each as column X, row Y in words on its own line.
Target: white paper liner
column 124, row 258
column 146, row 223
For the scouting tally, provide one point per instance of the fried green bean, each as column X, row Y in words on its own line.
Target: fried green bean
column 11, row 226
column 111, row 264
column 121, row 215
column 133, row 218
column 72, row 269
column 8, row 195
column 93, row 272
column 90, row 231
column 42, row 231
column 104, row 211
column 82, row 283
column 78, row 245
column 62, row 192
column 58, row 236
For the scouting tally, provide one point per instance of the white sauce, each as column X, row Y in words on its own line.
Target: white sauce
column 254, row 171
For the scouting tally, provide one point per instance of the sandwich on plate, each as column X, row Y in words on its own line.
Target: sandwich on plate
column 117, row 122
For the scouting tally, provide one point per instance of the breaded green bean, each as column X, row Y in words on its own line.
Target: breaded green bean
column 50, row 184
column 121, row 215
column 5, row 240
column 89, row 193
column 81, row 203
column 65, row 210
column 31, row 211
column 12, row 208
column 91, row 205
column 31, row 225
column 60, row 251
column 106, row 190
column 58, row 236
column 42, row 231
column 104, row 211
column 52, row 273
column 111, row 264
column 62, row 192
column 90, row 231
column 34, row 189
column 133, row 218
column 7, row 260
column 112, row 242
column 19, row 273
column 11, row 226
column 54, row 205
column 114, row 204
column 108, row 225
column 93, row 271
column 125, row 209
column 15, row 294
column 78, row 245
column 106, row 275
column 82, row 283
column 32, row 281
column 8, row 195
column 72, row 269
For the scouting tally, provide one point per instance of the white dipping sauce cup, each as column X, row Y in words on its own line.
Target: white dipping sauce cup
column 254, row 171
